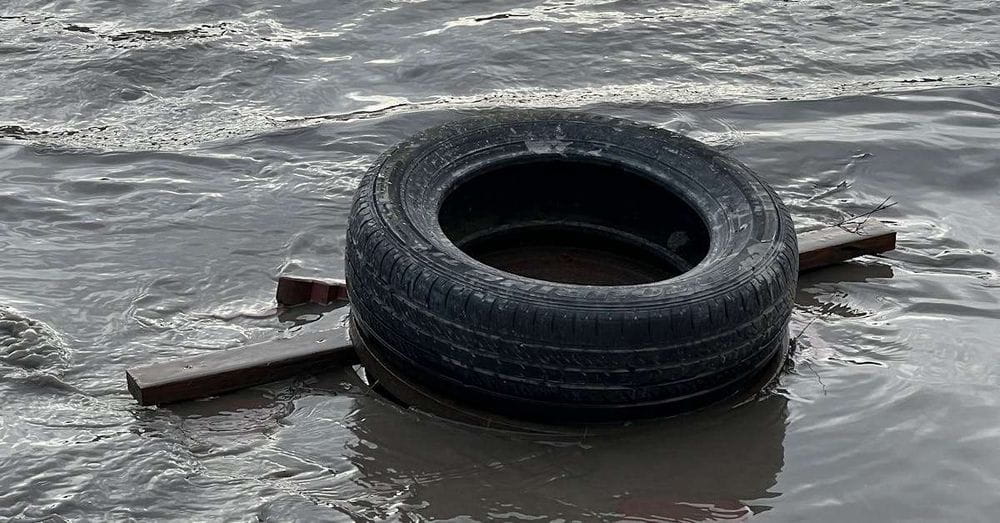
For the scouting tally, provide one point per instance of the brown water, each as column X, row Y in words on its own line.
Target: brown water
column 161, row 163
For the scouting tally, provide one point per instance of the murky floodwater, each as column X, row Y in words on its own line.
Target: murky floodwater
column 162, row 162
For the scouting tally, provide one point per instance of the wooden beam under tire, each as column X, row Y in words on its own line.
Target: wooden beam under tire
column 330, row 346
column 294, row 290
column 223, row 371
column 832, row 245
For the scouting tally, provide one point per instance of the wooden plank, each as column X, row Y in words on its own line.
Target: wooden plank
column 832, row 245
column 295, row 290
column 330, row 346
column 222, row 371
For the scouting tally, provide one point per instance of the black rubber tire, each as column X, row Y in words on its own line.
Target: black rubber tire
column 560, row 352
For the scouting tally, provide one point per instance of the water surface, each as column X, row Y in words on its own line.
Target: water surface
column 162, row 162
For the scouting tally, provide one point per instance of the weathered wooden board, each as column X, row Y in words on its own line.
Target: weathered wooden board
column 294, row 290
column 222, row 371
column 330, row 345
column 832, row 245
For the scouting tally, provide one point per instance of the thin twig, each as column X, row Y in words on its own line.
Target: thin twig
column 803, row 331
column 818, row 377
column 795, row 345
column 843, row 224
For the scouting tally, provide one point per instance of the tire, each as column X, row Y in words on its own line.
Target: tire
column 636, row 342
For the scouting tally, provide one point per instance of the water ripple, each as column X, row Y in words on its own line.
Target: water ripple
column 160, row 166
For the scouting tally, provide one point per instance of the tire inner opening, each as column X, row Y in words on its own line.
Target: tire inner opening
column 574, row 221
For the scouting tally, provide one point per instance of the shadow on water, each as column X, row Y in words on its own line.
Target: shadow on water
column 846, row 272
column 721, row 463
column 717, row 464
column 813, row 284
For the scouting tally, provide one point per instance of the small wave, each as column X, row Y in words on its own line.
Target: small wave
column 17, row 132
column 29, row 344
column 149, row 35
column 137, row 35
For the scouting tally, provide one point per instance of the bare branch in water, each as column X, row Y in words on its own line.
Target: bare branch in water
column 803, row 331
column 854, row 224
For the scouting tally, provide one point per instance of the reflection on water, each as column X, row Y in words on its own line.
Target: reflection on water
column 162, row 162
column 676, row 469
column 816, row 286
column 379, row 460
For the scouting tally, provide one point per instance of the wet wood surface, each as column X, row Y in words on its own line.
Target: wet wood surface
column 325, row 346
column 831, row 245
column 295, row 290
column 328, row 344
